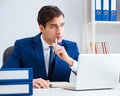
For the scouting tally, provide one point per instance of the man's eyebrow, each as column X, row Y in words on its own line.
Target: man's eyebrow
column 53, row 24
column 56, row 24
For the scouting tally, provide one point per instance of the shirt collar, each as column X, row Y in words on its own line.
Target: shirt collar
column 45, row 45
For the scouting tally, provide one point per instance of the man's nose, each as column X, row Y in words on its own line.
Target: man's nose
column 59, row 29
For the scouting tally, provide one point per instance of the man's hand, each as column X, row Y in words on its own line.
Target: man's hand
column 61, row 52
column 40, row 83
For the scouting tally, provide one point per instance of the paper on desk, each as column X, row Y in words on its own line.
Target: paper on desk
column 61, row 84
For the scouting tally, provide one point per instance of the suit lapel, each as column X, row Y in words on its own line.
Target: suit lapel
column 39, row 54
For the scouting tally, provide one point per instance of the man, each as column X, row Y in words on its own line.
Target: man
column 34, row 52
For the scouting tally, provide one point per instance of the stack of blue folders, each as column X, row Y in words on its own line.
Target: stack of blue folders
column 106, row 10
column 16, row 81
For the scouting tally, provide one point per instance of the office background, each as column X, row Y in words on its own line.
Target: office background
column 18, row 19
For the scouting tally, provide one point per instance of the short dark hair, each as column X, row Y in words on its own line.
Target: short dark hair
column 47, row 13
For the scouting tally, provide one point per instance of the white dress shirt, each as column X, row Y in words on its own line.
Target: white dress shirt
column 46, row 51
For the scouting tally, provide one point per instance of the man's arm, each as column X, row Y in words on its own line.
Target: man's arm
column 61, row 52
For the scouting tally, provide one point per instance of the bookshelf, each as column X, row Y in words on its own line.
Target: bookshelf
column 101, row 31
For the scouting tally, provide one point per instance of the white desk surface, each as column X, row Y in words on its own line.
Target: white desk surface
column 63, row 92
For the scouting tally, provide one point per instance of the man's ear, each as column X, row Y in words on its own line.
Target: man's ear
column 41, row 27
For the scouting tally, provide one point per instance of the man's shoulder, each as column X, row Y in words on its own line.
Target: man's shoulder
column 68, row 42
column 26, row 40
column 70, row 45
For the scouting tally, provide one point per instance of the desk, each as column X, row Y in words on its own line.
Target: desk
column 63, row 92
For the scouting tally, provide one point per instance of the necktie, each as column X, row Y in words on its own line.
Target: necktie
column 51, row 63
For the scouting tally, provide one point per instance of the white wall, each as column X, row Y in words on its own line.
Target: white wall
column 18, row 19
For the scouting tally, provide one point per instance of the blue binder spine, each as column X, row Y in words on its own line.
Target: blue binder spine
column 98, row 10
column 16, row 74
column 16, row 89
column 113, row 10
column 105, row 10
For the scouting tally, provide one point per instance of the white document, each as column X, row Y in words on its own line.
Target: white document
column 61, row 84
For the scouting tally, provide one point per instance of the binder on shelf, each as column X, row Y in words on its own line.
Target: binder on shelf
column 105, row 46
column 16, row 74
column 113, row 11
column 106, row 10
column 98, row 10
column 99, row 47
column 91, row 48
column 16, row 88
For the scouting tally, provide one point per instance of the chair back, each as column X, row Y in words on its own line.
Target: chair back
column 7, row 52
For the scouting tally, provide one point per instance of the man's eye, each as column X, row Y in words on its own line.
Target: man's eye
column 53, row 26
column 62, row 24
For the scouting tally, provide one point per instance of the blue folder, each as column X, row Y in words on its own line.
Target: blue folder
column 16, row 89
column 98, row 10
column 16, row 74
column 106, row 10
column 113, row 11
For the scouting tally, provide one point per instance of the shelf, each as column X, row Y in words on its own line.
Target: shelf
column 105, row 22
column 101, row 31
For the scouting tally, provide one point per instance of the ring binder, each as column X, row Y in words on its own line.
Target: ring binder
column 113, row 11
column 98, row 10
column 105, row 10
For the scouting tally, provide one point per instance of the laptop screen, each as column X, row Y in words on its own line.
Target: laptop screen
column 97, row 71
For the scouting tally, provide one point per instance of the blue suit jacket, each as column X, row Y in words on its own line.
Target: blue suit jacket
column 28, row 53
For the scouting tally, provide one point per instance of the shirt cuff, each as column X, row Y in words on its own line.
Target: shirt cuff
column 75, row 66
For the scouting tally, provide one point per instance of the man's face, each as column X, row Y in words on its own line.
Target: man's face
column 53, row 30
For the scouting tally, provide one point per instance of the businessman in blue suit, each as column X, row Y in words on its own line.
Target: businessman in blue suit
column 34, row 52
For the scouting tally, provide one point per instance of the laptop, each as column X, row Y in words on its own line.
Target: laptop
column 97, row 72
